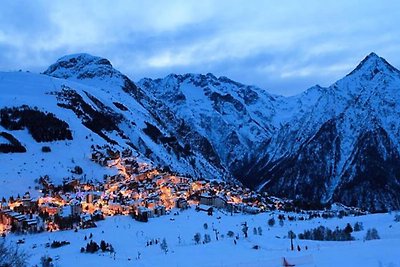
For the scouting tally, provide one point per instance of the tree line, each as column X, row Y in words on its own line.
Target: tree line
column 43, row 126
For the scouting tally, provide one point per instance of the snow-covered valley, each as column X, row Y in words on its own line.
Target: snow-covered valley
column 130, row 241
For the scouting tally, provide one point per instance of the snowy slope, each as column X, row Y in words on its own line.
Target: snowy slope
column 19, row 170
column 129, row 238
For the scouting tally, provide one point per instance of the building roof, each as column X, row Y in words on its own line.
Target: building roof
column 206, row 195
column 31, row 221
column 203, row 207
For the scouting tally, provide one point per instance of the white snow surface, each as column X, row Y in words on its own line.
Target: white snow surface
column 129, row 237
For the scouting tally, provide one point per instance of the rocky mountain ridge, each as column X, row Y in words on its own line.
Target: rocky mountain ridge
column 339, row 143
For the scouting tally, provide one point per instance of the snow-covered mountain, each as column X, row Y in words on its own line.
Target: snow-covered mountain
column 223, row 119
column 89, row 103
column 345, row 147
column 339, row 143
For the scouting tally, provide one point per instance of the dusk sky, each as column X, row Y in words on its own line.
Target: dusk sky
column 282, row 46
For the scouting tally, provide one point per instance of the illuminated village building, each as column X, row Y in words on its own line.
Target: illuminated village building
column 138, row 190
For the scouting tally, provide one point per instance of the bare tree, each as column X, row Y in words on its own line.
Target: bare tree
column 11, row 256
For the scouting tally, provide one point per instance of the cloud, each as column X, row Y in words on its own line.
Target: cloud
column 284, row 46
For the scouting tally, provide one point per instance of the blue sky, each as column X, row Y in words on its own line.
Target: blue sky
column 282, row 46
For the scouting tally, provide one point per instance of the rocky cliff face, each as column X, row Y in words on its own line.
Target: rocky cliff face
column 345, row 147
column 225, row 121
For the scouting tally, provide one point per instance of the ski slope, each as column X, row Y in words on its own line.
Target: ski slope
column 129, row 237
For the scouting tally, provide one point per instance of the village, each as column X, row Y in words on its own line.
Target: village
column 138, row 190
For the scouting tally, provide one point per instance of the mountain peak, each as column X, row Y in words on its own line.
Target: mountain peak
column 81, row 66
column 372, row 55
column 373, row 64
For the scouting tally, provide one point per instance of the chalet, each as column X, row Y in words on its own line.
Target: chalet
column 30, row 225
column 131, row 166
column 112, row 162
column 19, row 222
column 183, row 180
column 218, row 201
column 98, row 215
column 143, row 210
column 5, row 217
column 251, row 210
column 235, row 207
column 86, row 221
column 143, row 214
column 205, row 208
column 27, row 201
column 183, row 186
column 182, row 203
column 160, row 210
column 50, row 208
column 12, row 218
column 91, row 196
column 76, row 207
column 206, row 199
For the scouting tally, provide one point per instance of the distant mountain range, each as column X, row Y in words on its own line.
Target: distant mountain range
column 334, row 144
